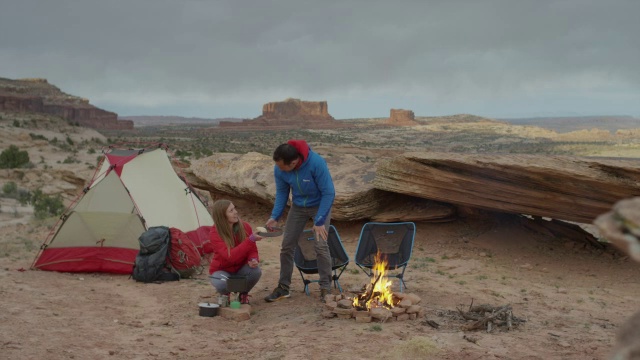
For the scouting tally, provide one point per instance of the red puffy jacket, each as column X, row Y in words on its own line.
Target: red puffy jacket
column 240, row 254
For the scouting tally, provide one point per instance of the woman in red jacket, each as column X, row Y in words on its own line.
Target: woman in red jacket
column 234, row 249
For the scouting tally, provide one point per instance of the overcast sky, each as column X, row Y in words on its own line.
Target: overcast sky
column 494, row 58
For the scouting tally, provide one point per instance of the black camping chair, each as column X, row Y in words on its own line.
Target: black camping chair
column 305, row 257
column 394, row 241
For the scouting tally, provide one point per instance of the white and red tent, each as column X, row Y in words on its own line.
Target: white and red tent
column 133, row 190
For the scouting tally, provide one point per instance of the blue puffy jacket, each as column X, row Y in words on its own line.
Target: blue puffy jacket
column 310, row 184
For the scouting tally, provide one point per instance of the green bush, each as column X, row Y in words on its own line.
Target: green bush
column 12, row 158
column 24, row 196
column 69, row 160
column 10, row 189
column 45, row 206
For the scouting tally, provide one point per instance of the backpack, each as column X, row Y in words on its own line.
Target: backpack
column 184, row 256
column 200, row 238
column 151, row 262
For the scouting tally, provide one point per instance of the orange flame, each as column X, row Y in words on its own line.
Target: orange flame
column 378, row 292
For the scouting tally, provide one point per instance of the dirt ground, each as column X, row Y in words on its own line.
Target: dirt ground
column 572, row 297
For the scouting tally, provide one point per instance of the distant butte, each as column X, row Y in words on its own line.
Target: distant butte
column 289, row 114
column 402, row 117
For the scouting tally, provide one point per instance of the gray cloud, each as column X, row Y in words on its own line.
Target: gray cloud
column 227, row 58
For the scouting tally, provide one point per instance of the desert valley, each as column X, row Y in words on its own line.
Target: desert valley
column 505, row 214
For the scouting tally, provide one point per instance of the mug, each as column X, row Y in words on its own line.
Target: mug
column 223, row 300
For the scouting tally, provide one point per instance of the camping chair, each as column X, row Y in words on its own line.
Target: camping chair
column 393, row 240
column 305, row 257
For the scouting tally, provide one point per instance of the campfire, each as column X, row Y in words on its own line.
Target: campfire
column 378, row 292
column 376, row 301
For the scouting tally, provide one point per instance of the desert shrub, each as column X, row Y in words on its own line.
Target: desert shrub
column 16, row 123
column 69, row 141
column 45, row 206
column 13, row 157
column 24, row 196
column 182, row 153
column 10, row 189
column 91, row 151
column 69, row 160
column 418, row 347
column 37, row 137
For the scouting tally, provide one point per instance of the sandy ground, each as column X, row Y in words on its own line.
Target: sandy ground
column 573, row 299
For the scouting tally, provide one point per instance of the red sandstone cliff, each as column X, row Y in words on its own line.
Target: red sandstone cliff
column 291, row 113
column 402, row 117
column 37, row 95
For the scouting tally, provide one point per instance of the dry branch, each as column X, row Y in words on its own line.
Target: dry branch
column 489, row 317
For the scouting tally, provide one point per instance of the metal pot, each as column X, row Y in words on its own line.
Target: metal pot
column 208, row 309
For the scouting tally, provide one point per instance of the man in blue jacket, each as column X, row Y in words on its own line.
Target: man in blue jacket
column 304, row 174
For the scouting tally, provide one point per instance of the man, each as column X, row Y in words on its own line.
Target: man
column 303, row 173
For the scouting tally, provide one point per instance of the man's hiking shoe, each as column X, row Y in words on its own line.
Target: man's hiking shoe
column 278, row 293
column 323, row 295
column 244, row 298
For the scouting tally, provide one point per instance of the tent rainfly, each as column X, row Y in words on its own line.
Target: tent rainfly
column 133, row 190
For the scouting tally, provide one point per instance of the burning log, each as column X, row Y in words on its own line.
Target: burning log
column 363, row 300
column 377, row 293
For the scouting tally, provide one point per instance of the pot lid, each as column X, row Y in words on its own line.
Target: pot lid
column 208, row 305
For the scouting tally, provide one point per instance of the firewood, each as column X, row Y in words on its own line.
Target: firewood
column 482, row 323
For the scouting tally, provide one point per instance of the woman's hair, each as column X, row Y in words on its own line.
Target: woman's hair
column 226, row 232
column 285, row 152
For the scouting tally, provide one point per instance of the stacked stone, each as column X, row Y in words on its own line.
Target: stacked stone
column 341, row 306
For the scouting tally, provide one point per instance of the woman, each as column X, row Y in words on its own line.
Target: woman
column 234, row 249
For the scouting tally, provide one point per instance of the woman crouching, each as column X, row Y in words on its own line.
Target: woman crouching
column 234, row 250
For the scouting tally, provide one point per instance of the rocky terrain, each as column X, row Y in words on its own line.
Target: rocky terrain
column 574, row 293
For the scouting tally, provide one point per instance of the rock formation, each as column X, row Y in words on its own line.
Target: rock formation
column 559, row 187
column 37, row 95
column 621, row 226
column 288, row 114
column 250, row 177
column 436, row 186
column 291, row 108
column 401, row 117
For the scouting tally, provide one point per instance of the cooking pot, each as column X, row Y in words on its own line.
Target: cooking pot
column 208, row 309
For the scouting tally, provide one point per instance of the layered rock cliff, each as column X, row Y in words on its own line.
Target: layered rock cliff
column 37, row 95
column 559, row 187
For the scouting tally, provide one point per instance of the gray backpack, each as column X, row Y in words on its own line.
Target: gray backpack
column 151, row 262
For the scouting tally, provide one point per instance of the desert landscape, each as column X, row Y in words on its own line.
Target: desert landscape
column 572, row 296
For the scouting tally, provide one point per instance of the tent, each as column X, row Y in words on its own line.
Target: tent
column 133, row 190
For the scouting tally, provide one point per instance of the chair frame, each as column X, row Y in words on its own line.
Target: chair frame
column 367, row 269
column 335, row 268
